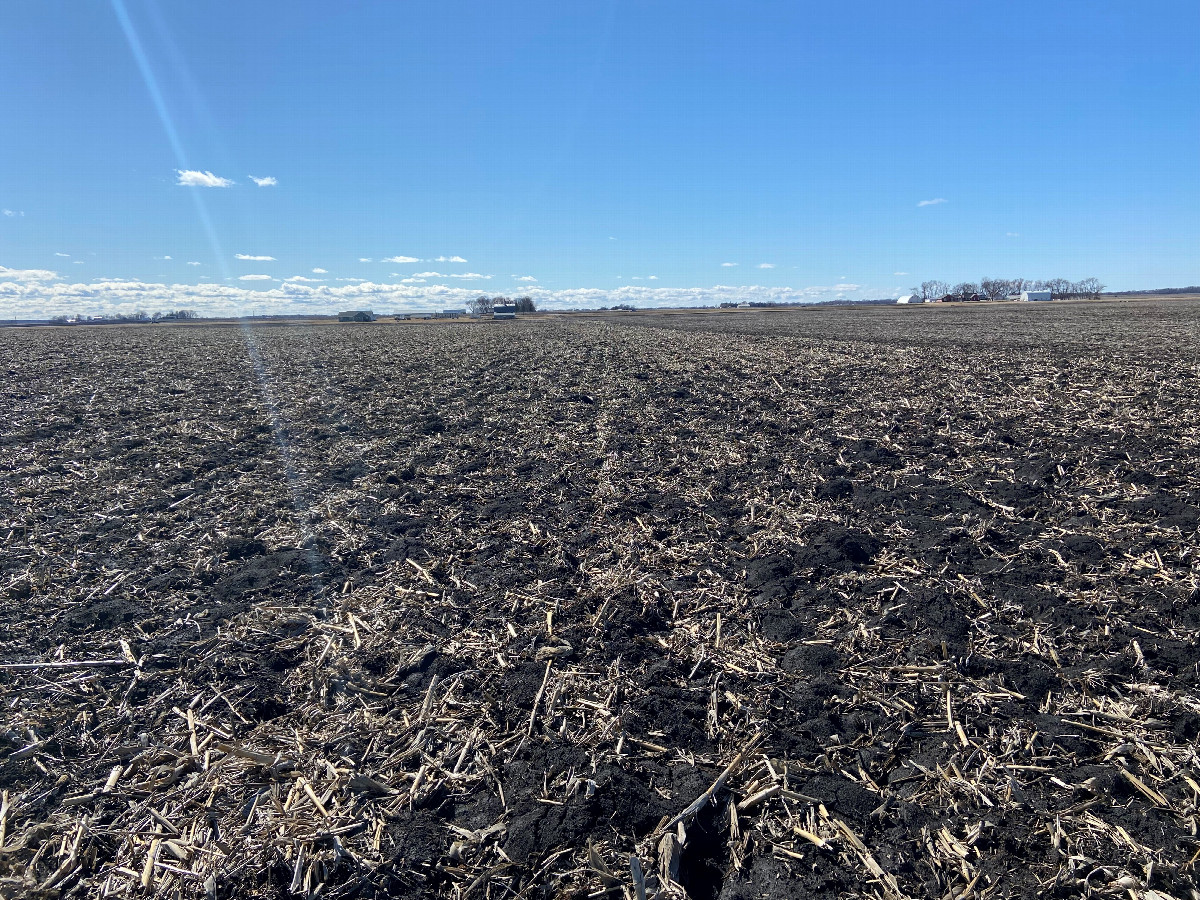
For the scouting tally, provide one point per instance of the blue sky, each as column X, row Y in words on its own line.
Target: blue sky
column 613, row 151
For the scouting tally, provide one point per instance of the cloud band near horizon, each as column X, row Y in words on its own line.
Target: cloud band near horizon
column 35, row 293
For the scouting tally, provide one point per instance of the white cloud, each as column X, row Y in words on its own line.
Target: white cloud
column 320, row 271
column 653, row 277
column 254, row 258
column 7, row 274
column 450, row 259
column 636, row 278
column 77, row 262
column 766, row 265
column 40, row 295
column 299, row 278
column 899, row 273
column 268, row 181
column 67, row 255
column 727, row 265
column 412, row 280
column 524, row 278
column 196, row 178
column 162, row 257
column 364, row 259
column 396, row 259
column 355, row 280
column 934, row 202
column 449, row 275
column 14, row 212
column 193, row 263
column 255, row 278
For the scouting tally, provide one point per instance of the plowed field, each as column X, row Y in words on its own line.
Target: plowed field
column 834, row 603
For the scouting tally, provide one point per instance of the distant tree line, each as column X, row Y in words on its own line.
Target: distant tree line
column 1192, row 289
column 999, row 288
column 483, row 305
column 762, row 304
column 122, row 318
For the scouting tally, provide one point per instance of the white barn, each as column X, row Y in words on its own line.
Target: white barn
column 909, row 298
column 1036, row 295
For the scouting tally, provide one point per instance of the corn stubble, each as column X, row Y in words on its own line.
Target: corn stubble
column 814, row 604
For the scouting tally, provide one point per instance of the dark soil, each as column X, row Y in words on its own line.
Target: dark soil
column 476, row 609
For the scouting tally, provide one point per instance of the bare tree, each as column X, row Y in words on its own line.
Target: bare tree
column 482, row 306
column 1059, row 287
column 1091, row 288
column 994, row 288
column 934, row 290
column 964, row 290
column 525, row 304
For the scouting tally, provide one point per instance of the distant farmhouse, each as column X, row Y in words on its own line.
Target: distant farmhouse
column 504, row 311
column 356, row 315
